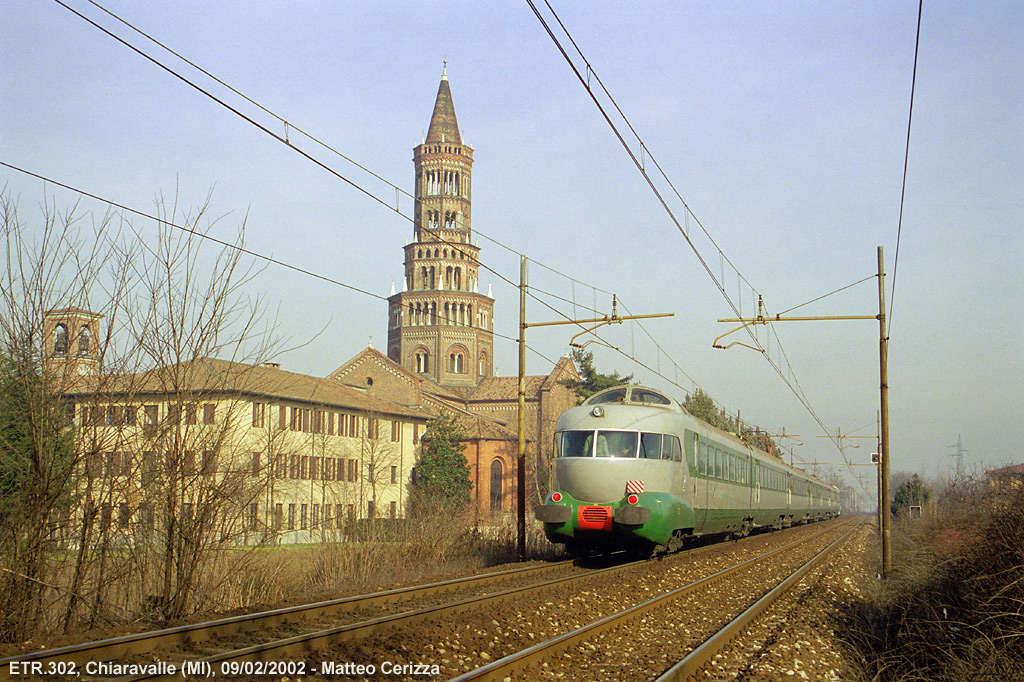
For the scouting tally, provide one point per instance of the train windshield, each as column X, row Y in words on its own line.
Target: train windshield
column 574, row 443
column 608, row 443
column 616, row 443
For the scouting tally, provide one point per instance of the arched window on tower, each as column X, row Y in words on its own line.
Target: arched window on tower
column 483, row 365
column 60, row 340
column 455, row 363
column 422, row 362
column 497, row 483
column 83, row 340
column 458, row 279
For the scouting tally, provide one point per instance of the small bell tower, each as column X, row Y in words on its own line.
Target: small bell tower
column 72, row 342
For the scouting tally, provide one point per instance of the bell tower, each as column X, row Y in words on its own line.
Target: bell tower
column 440, row 326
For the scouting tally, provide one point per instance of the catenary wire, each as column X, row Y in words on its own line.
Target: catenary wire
column 906, row 161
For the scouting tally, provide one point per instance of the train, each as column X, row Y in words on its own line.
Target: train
column 634, row 470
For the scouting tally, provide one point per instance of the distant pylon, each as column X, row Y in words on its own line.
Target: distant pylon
column 959, row 454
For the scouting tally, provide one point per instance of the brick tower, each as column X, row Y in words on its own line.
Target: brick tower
column 440, row 325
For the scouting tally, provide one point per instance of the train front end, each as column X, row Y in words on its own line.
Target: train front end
column 619, row 473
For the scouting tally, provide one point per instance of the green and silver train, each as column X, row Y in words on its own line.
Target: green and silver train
column 633, row 469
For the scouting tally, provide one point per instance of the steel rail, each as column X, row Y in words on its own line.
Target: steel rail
column 143, row 642
column 687, row 668
column 503, row 667
column 301, row 645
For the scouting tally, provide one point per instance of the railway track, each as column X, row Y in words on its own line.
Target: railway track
column 220, row 648
column 686, row 669
column 135, row 645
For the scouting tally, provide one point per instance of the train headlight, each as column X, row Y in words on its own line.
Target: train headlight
column 556, row 497
column 632, row 499
column 597, row 411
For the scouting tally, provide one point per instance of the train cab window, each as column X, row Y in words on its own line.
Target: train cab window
column 617, row 443
column 574, row 444
column 616, row 395
column 644, row 395
column 650, row 445
column 671, row 449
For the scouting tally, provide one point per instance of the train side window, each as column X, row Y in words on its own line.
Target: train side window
column 702, row 459
column 672, row 449
column 718, row 463
column 650, row 446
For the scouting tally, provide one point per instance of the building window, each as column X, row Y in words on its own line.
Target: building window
column 394, row 474
column 303, row 517
column 209, row 462
column 278, row 516
column 291, row 517
column 393, row 511
column 314, row 520
column 497, row 479
column 190, row 414
column 60, row 340
column 209, row 412
column 83, row 340
column 415, row 434
column 254, row 516
column 396, row 431
column 259, row 411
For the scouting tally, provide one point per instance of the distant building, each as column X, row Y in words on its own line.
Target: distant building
column 254, row 452
column 1007, row 479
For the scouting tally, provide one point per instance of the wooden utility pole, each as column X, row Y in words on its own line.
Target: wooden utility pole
column 883, row 363
column 521, row 448
column 883, row 370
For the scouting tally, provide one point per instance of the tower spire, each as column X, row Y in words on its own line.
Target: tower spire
column 444, row 127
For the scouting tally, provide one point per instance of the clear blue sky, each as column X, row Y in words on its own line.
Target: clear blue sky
column 782, row 125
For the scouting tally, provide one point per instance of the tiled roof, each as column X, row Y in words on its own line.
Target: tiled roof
column 212, row 376
column 1012, row 470
column 505, row 388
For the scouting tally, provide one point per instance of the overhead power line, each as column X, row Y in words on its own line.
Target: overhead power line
column 906, row 162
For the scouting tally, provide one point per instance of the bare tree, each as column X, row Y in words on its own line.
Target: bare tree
column 53, row 263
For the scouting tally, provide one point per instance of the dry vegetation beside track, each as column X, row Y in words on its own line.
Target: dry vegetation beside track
column 296, row 574
column 953, row 609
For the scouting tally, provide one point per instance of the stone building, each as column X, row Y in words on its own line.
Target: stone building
column 248, row 453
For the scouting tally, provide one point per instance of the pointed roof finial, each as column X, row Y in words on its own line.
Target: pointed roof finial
column 444, row 71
